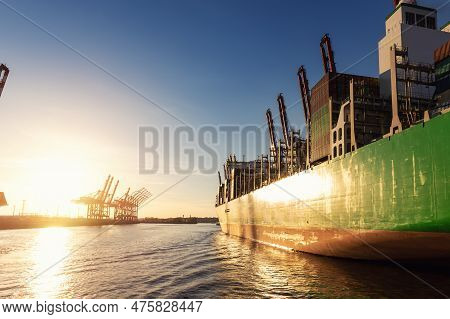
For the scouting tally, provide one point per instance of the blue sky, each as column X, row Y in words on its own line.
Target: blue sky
column 206, row 62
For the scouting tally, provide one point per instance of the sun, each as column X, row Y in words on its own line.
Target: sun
column 54, row 181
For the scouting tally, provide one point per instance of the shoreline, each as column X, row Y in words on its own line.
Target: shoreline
column 29, row 222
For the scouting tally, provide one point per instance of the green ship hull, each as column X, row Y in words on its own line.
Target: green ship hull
column 389, row 199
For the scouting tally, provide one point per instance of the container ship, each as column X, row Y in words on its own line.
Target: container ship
column 370, row 177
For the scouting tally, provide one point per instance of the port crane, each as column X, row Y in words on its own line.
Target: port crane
column 126, row 207
column 4, row 72
column 100, row 203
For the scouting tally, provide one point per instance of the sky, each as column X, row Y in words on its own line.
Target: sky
column 85, row 75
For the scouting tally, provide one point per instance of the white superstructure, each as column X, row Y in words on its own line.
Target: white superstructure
column 413, row 27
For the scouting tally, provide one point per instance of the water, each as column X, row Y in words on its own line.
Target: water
column 188, row 261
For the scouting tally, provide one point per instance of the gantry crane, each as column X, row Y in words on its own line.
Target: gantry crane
column 99, row 204
column 126, row 208
column 4, row 72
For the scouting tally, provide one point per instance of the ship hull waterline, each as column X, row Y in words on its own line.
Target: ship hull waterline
column 377, row 245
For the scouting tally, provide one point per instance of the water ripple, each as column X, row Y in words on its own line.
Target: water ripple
column 189, row 261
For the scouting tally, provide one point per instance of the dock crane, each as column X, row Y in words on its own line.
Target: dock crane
column 100, row 203
column 126, row 208
column 4, row 72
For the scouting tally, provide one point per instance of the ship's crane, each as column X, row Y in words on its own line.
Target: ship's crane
column 4, row 72
column 329, row 65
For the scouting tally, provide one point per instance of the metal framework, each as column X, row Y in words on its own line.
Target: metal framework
column 3, row 201
column 272, row 135
column 4, row 72
column 99, row 204
column 284, row 119
column 329, row 65
column 126, row 208
column 411, row 85
column 286, row 157
column 343, row 112
column 306, row 99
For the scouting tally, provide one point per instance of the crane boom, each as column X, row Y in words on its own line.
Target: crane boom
column 326, row 50
column 114, row 192
column 305, row 93
column 4, row 72
column 284, row 120
column 105, row 194
column 100, row 193
column 273, row 139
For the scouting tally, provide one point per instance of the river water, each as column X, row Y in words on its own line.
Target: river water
column 189, row 261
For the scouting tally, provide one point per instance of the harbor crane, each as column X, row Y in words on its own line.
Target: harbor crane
column 4, row 72
column 100, row 203
column 126, row 208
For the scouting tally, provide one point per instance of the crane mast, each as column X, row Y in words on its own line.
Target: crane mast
column 326, row 50
column 284, row 120
column 273, row 139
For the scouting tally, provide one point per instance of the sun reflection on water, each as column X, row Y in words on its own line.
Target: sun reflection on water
column 50, row 249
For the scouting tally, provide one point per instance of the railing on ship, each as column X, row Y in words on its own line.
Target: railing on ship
column 243, row 177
